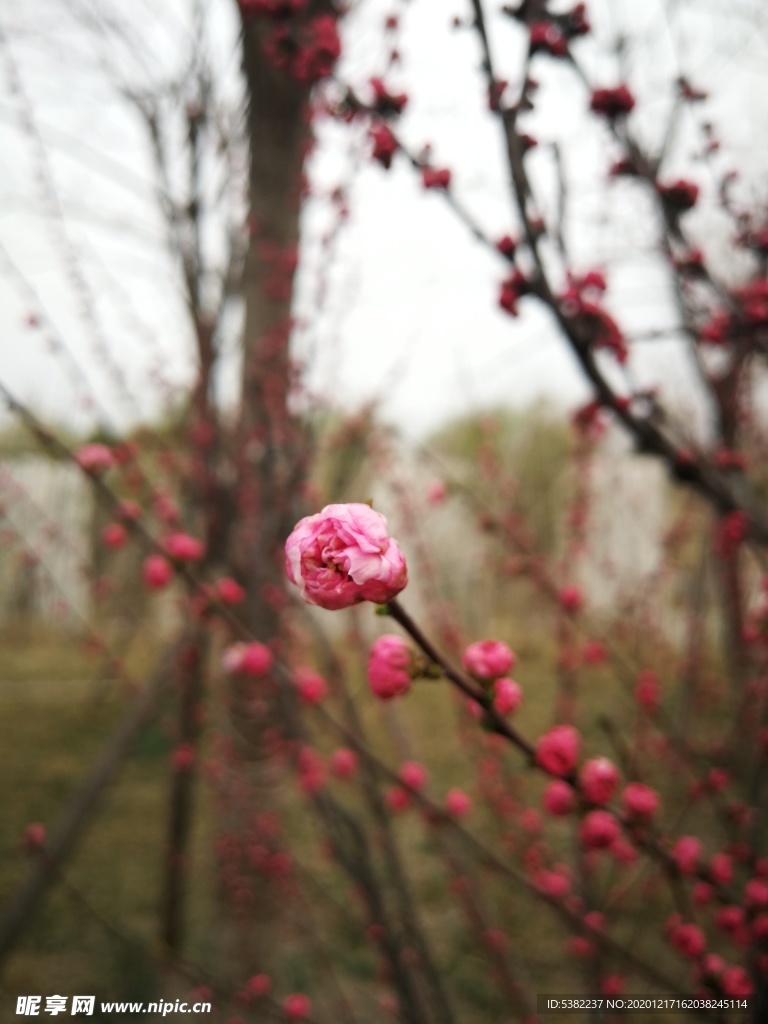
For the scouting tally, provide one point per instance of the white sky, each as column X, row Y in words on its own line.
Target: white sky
column 411, row 315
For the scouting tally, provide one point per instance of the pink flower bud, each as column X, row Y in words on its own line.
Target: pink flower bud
column 530, row 820
column 297, row 1006
column 593, row 653
column 259, row 985
column 624, row 852
column 95, row 458
column 488, row 659
column 640, row 801
column 436, row 492
column 686, row 854
column 413, row 775
column 114, row 535
column 344, row 763
column 559, row 798
column 612, row 985
column 311, row 686
column 702, row 894
column 252, row 659
column 157, row 572
column 343, row 555
column 648, row 690
column 183, row 757
column 183, row 548
column 721, row 868
column 598, row 831
column 230, row 591
column 35, row 836
column 736, row 983
column 730, row 919
column 553, row 883
column 389, row 667
column 130, row 510
column 571, row 599
column 507, row 695
column 311, row 770
column 397, row 799
column 599, row 778
column 688, row 940
column 756, row 892
column 558, row 750
column 457, row 803
column 712, row 964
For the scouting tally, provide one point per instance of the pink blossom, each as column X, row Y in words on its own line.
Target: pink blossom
column 599, row 778
column 559, row 798
column 114, row 535
column 252, row 659
column 507, row 695
column 343, row 763
column 594, row 653
column 721, row 868
column 730, row 919
column 686, row 854
column 640, row 801
column 702, row 894
column 311, row 686
column 756, row 892
column 558, row 749
column 436, row 492
column 259, row 985
column 297, row 1006
column 397, row 799
column 712, row 963
column 457, row 803
column 612, row 985
column 612, row 103
column 553, row 883
column 130, row 510
column 389, row 667
column 413, row 775
column 434, row 177
column 736, row 983
column 183, row 757
column 35, row 836
column 95, row 458
column 311, row 770
column 571, row 599
column 343, row 555
column 183, row 548
column 157, row 572
column 488, row 659
column 599, row 830
column 688, row 940
column 648, row 689
column 230, row 591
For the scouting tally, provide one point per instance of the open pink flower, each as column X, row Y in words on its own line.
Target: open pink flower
column 343, row 555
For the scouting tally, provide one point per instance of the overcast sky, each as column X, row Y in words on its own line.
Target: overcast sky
column 410, row 316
